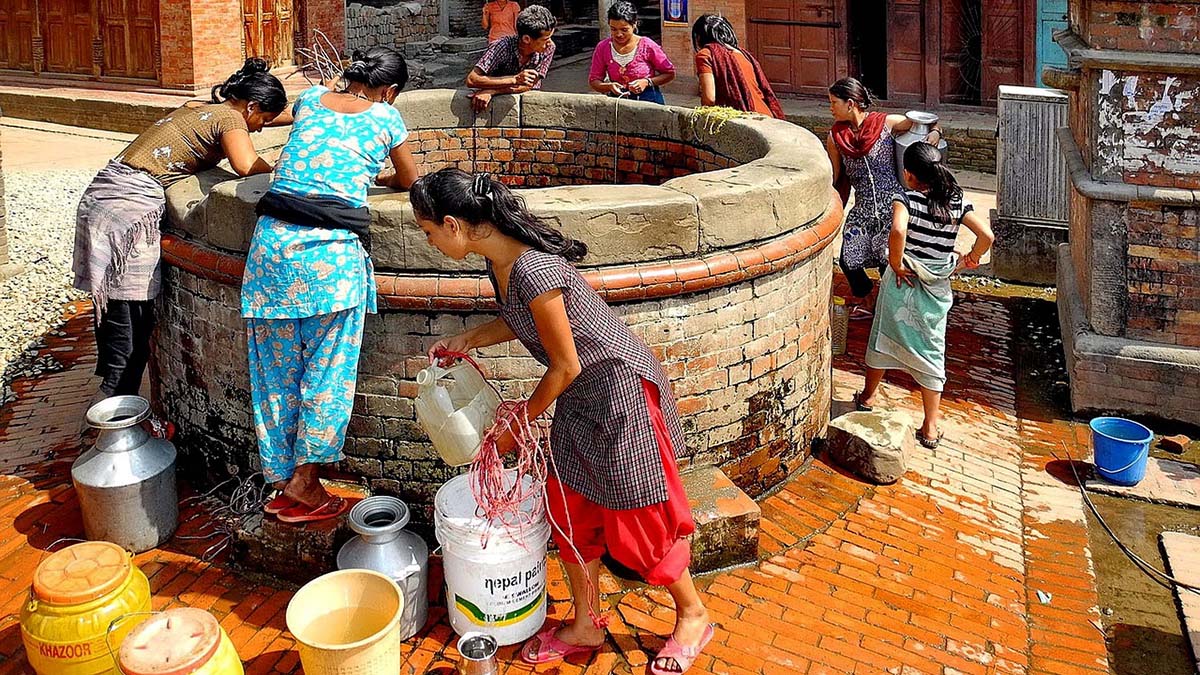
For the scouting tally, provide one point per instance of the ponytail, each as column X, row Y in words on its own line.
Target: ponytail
column 253, row 83
column 480, row 199
column 924, row 162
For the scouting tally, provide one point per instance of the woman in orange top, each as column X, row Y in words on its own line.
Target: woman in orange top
column 728, row 75
column 500, row 18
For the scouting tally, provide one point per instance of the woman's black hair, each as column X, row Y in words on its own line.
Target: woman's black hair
column 850, row 89
column 710, row 28
column 477, row 199
column 377, row 67
column 924, row 162
column 253, row 84
column 535, row 20
column 624, row 11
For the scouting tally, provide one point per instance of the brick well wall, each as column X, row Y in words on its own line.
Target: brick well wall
column 549, row 157
column 749, row 365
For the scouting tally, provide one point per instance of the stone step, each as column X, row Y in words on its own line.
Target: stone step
column 297, row 553
column 726, row 532
column 726, row 520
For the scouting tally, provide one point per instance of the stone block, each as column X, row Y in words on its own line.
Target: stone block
column 726, row 520
column 872, row 445
column 625, row 223
column 297, row 553
column 229, row 211
column 751, row 202
column 449, row 109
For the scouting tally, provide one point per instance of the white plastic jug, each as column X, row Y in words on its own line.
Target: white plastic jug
column 456, row 407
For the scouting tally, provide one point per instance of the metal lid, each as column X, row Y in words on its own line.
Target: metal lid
column 839, row 300
column 81, row 573
column 175, row 642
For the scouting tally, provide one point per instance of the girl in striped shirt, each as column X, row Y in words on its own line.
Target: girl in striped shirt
column 909, row 330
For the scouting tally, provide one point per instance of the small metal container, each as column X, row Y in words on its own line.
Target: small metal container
column 382, row 545
column 477, row 654
column 922, row 126
column 126, row 482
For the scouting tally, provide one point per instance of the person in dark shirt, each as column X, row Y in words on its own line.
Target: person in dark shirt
column 518, row 63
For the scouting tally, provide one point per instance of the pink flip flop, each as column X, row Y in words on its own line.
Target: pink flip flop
column 684, row 656
column 551, row 649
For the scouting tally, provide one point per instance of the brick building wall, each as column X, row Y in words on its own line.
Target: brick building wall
column 677, row 40
column 392, row 24
column 465, row 17
column 329, row 16
column 1131, row 305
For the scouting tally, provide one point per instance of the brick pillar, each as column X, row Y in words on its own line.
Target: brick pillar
column 202, row 41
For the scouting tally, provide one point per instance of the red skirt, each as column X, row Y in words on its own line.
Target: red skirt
column 651, row 540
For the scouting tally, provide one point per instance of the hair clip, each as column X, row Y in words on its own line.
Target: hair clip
column 482, row 185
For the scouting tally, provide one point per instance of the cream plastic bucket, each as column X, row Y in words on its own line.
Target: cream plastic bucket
column 498, row 585
column 348, row 623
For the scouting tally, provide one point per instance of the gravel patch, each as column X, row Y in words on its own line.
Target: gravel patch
column 41, row 236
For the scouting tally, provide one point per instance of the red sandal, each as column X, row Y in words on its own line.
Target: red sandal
column 279, row 504
column 301, row 513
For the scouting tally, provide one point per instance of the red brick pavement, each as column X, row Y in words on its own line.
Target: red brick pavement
column 937, row 574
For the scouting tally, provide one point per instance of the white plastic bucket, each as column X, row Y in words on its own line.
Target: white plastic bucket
column 500, row 588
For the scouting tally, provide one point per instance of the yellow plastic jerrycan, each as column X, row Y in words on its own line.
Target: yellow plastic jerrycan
column 77, row 594
column 182, row 641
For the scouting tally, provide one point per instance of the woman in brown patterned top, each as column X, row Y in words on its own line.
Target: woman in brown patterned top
column 615, row 430
column 116, row 256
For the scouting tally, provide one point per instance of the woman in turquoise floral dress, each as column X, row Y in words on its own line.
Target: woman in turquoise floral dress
column 309, row 281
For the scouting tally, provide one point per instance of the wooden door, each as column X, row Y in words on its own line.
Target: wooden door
column 268, row 26
column 68, row 29
column 16, row 34
column 796, row 41
column 129, row 29
column 906, row 50
column 961, row 34
column 1052, row 16
column 1003, row 46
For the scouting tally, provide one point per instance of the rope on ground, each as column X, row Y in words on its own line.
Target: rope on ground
column 1156, row 575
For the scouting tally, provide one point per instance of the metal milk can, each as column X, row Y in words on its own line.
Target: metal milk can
column 382, row 545
column 921, row 128
column 126, row 482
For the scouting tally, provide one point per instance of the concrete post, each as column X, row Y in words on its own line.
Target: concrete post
column 603, row 6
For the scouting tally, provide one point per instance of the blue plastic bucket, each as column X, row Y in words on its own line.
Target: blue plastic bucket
column 1121, row 448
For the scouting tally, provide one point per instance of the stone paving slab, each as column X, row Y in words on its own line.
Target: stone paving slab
column 1182, row 552
column 1166, row 482
column 934, row 574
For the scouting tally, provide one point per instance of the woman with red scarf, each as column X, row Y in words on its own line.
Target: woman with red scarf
column 863, row 154
column 729, row 76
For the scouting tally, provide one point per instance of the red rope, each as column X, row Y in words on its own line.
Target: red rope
column 500, row 501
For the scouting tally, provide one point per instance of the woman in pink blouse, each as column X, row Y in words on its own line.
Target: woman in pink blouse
column 627, row 63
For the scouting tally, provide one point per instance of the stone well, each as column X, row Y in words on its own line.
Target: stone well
column 715, row 249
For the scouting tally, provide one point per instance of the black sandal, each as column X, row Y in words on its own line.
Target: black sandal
column 860, row 406
column 928, row 442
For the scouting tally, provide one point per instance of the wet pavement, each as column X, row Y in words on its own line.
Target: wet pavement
column 939, row 573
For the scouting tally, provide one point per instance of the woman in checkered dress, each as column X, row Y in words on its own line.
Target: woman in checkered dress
column 615, row 429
